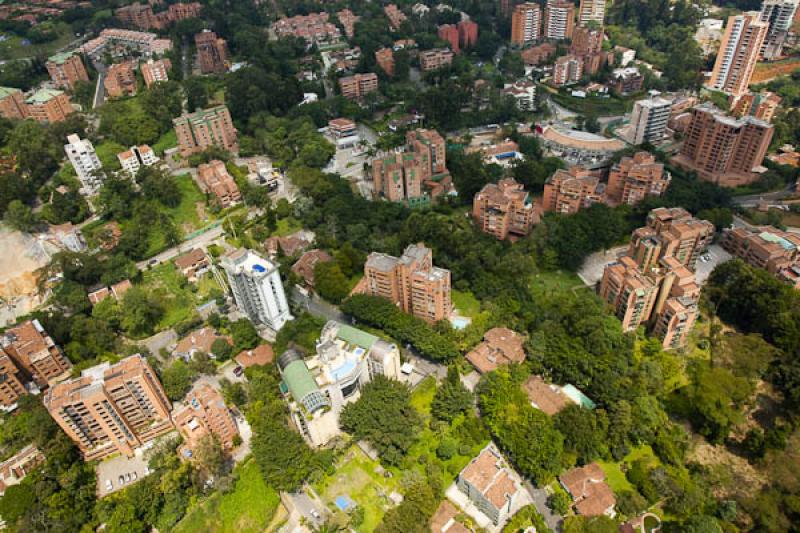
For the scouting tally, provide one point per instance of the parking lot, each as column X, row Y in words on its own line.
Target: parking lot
column 708, row 261
column 130, row 470
column 591, row 271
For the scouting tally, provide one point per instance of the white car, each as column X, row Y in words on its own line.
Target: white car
column 109, row 485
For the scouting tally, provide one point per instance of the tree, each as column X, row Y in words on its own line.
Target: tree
column 451, row 398
column 412, row 515
column 631, row 503
column 177, row 380
column 141, row 311
column 210, row 458
column 383, row 415
column 221, row 349
column 330, row 282
column 20, row 217
column 559, row 502
column 245, row 336
column 585, row 432
column 16, row 501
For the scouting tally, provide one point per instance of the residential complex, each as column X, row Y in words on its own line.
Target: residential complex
column 204, row 414
column 315, row 28
column 523, row 92
column 449, row 33
column 395, row 16
column 627, row 80
column 120, row 80
column 567, row 70
column 141, row 15
column 212, row 53
column 492, row 485
column 569, row 191
column 48, row 105
column 14, row 469
column 12, row 383
column 357, row 86
column 410, row 281
column 81, row 154
column 384, row 57
column 525, row 22
column 559, row 19
column 215, row 180
column 723, row 149
column 779, row 16
column 467, row 33
column 634, row 178
column 434, row 59
column 304, row 267
column 504, row 209
column 415, row 175
column 155, row 70
column 137, row 157
column 536, row 55
column 590, row 493
column 257, row 288
column 12, row 104
column 121, row 42
column 654, row 284
column 111, row 408
column 774, row 250
column 762, row 105
column 348, row 21
column 66, row 69
column 500, row 346
column 648, row 121
column 738, row 53
column 206, row 127
column 591, row 11
column 320, row 386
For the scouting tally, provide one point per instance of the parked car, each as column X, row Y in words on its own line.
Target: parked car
column 109, row 485
column 238, row 371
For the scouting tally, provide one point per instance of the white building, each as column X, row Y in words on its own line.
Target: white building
column 524, row 92
column 257, row 288
column 81, row 154
column 136, row 157
column 320, row 386
column 591, row 11
column 648, row 121
column 779, row 14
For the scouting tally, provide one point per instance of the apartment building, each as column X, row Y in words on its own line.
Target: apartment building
column 257, row 288
column 569, row 191
column 215, row 180
column 504, row 209
column 84, row 160
column 203, row 128
column 212, row 52
column 634, row 178
column 591, row 11
column 536, row 55
column 467, row 33
column 137, row 157
column 431, row 146
column 567, row 70
column 49, row 105
column 137, row 15
column 11, row 383
column 411, row 282
column 357, row 86
column 738, row 54
column 492, row 486
column 648, row 121
column 120, row 80
column 670, row 232
column 500, row 346
column 526, row 21
column 315, row 28
column 449, row 33
column 120, row 42
column 779, row 16
column 632, row 294
column 111, row 408
column 523, row 92
column 384, row 57
column 348, row 21
column 774, row 250
column 155, row 70
column 14, row 469
column 66, row 69
column 395, row 16
column 319, row 387
column 675, row 322
column 723, row 149
column 398, row 177
column 559, row 19
column 761, row 105
column 434, row 59
column 626, row 80
column 586, row 41
column 35, row 353
column 204, row 414
column 12, row 104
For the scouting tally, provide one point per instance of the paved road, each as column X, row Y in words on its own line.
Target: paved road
column 552, row 519
column 318, row 307
column 99, row 91
column 203, row 239
column 752, row 199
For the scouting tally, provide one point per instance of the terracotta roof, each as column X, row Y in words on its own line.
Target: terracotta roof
column 190, row 259
column 99, row 295
column 500, row 346
column 260, row 355
column 587, row 486
column 443, row 520
column 199, row 340
column 304, row 267
column 545, row 397
column 118, row 289
column 490, row 476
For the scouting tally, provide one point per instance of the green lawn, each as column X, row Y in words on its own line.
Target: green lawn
column 165, row 142
column 249, row 507
column 185, row 215
column 107, row 154
column 614, row 474
column 12, row 47
column 466, row 303
column 178, row 296
column 556, row 280
column 287, row 226
column 356, row 477
column 422, row 396
column 602, row 107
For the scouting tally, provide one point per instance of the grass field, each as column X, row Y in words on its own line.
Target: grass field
column 287, row 226
column 12, row 47
column 249, row 507
column 165, row 142
column 185, row 215
column 602, row 107
column 616, row 477
column 466, row 303
column 176, row 294
column 556, row 280
column 356, row 477
column 107, row 154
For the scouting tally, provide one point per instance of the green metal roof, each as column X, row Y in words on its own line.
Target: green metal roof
column 7, row 91
column 356, row 336
column 43, row 95
column 299, row 380
column 60, row 58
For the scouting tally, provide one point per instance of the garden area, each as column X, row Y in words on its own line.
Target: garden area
column 15, row 47
column 249, row 507
column 594, row 105
column 178, row 297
